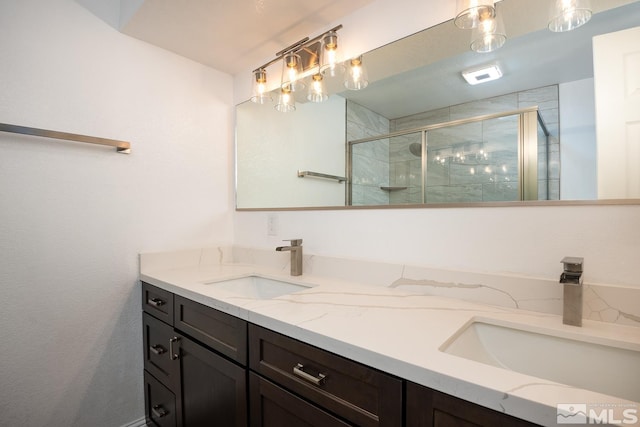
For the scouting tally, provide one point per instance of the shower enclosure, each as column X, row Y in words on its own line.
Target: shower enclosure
column 497, row 157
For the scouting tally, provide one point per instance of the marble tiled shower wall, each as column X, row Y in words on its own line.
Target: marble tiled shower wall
column 395, row 163
column 370, row 160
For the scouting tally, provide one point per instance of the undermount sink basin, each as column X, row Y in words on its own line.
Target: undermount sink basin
column 609, row 367
column 258, row 287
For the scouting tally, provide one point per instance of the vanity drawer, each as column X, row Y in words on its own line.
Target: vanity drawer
column 359, row 394
column 222, row 332
column 159, row 402
column 160, row 340
column 274, row 406
column 157, row 302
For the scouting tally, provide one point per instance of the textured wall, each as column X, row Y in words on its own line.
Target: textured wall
column 73, row 217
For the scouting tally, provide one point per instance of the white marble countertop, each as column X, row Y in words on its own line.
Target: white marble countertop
column 400, row 333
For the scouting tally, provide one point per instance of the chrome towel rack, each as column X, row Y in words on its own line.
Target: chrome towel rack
column 302, row 174
column 121, row 146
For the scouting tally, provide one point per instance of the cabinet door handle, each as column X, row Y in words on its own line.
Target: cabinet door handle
column 298, row 370
column 157, row 349
column 174, row 354
column 156, row 302
column 159, row 411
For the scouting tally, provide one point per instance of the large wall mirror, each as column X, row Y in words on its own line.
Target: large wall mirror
column 561, row 124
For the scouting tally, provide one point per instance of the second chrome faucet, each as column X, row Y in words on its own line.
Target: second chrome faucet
column 296, row 255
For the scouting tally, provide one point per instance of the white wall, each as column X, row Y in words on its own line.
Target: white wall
column 73, row 217
column 523, row 240
column 578, row 173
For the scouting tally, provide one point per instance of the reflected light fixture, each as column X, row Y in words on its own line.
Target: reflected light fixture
column 317, row 89
column 356, row 76
column 567, row 15
column 489, row 35
column 259, row 81
column 286, row 101
column 469, row 13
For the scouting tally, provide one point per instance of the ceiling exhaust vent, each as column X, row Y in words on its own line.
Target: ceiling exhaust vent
column 482, row 75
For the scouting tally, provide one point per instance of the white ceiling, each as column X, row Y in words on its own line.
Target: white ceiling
column 238, row 35
column 233, row 35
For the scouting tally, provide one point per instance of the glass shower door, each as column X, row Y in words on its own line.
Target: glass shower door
column 474, row 162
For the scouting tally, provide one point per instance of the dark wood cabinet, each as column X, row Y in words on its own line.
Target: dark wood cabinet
column 356, row 393
column 204, row 367
column 272, row 406
column 187, row 383
column 430, row 408
column 160, row 403
column 212, row 388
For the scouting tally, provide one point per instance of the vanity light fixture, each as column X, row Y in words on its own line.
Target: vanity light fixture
column 291, row 71
column 315, row 58
column 329, row 64
column 567, row 15
column 260, row 94
column 489, row 35
column 482, row 75
column 317, row 89
column 356, row 76
column 286, row 101
column 469, row 13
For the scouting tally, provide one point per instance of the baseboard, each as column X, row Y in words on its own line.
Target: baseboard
column 140, row 422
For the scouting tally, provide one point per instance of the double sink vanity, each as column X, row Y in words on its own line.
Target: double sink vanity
column 248, row 344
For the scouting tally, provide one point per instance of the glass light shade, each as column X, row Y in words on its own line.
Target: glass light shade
column 469, row 13
column 329, row 64
column 291, row 72
column 356, row 76
column 286, row 101
column 317, row 89
column 259, row 82
column 567, row 15
column 489, row 35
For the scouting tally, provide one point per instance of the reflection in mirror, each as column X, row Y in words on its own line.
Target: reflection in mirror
column 272, row 147
column 416, row 87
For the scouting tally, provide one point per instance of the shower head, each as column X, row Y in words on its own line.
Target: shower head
column 416, row 149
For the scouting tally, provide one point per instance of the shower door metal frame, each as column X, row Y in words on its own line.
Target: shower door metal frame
column 528, row 155
column 527, row 150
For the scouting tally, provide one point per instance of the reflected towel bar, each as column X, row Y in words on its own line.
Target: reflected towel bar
column 121, row 146
column 302, row 174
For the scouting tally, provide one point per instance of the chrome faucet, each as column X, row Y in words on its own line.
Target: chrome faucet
column 571, row 279
column 296, row 255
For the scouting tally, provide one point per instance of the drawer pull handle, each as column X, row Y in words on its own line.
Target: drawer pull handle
column 298, row 370
column 157, row 349
column 173, row 355
column 156, row 302
column 159, row 411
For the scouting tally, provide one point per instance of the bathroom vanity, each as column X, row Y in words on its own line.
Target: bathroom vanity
column 249, row 345
column 197, row 369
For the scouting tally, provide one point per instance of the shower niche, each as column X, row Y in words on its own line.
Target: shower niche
column 503, row 156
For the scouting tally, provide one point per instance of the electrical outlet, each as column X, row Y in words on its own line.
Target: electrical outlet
column 272, row 225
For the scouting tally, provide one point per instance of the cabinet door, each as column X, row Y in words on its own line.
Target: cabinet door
column 213, row 389
column 272, row 406
column 430, row 408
